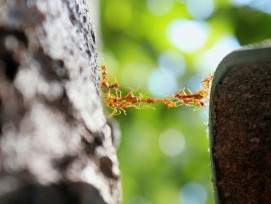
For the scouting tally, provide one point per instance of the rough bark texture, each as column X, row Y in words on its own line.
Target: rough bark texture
column 242, row 135
column 55, row 144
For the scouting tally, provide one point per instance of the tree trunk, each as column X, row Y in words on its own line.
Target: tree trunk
column 240, row 127
column 55, row 144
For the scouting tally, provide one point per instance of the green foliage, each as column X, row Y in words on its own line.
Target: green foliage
column 133, row 40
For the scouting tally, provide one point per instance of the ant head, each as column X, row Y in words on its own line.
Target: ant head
column 104, row 85
column 115, row 86
column 201, row 104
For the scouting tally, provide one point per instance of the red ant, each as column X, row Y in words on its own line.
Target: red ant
column 206, row 82
column 119, row 103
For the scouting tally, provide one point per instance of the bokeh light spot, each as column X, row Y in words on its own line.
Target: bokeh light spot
column 262, row 5
column 172, row 142
column 200, row 9
column 162, row 82
column 194, row 82
column 212, row 57
column 172, row 61
column 188, row 36
column 241, row 2
column 193, row 193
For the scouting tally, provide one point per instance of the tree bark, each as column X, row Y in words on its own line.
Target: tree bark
column 55, row 144
column 240, row 127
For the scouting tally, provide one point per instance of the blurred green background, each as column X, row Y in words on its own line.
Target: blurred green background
column 156, row 47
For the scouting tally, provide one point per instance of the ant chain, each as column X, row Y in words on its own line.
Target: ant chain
column 113, row 98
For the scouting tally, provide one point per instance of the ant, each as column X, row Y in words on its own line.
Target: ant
column 206, row 82
column 200, row 94
column 119, row 103
column 105, row 84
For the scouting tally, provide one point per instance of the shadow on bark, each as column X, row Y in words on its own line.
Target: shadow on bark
column 62, row 193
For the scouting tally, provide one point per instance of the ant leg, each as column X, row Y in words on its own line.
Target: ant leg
column 124, row 111
column 114, row 112
column 118, row 93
